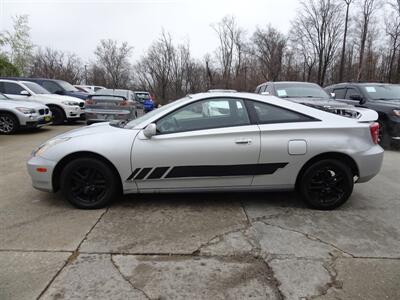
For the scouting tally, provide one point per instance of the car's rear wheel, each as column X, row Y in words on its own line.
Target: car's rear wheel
column 89, row 183
column 8, row 123
column 58, row 115
column 326, row 184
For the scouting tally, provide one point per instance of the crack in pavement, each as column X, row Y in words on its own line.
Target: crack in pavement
column 310, row 237
column 333, row 283
column 73, row 255
column 274, row 280
column 127, row 279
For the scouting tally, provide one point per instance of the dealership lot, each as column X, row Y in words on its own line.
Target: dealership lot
column 209, row 246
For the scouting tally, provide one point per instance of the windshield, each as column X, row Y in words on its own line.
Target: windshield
column 300, row 90
column 67, row 86
column 383, row 91
column 151, row 114
column 142, row 96
column 35, row 88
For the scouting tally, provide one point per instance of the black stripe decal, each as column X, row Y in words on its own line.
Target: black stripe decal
column 224, row 170
column 158, row 173
column 143, row 173
column 133, row 174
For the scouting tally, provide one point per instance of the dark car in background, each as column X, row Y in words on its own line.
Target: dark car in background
column 306, row 93
column 54, row 86
column 108, row 105
column 145, row 99
column 381, row 97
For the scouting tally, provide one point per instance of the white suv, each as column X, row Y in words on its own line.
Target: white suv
column 63, row 108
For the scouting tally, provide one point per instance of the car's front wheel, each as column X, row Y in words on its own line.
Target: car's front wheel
column 8, row 123
column 326, row 184
column 89, row 183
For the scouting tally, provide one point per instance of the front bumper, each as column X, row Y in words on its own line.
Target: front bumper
column 73, row 112
column 41, row 180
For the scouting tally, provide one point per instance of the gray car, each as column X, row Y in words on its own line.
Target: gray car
column 214, row 142
column 16, row 114
column 108, row 105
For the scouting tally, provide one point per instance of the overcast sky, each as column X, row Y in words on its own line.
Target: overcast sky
column 77, row 26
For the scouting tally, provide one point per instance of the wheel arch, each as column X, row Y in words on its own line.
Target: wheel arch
column 50, row 105
column 81, row 154
column 11, row 113
column 348, row 160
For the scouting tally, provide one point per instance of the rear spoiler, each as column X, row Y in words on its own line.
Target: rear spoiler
column 366, row 115
column 101, row 95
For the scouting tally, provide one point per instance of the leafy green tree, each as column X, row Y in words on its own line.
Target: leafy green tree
column 7, row 68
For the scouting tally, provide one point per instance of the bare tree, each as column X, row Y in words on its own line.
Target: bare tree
column 318, row 28
column 51, row 63
column 346, row 21
column 114, row 59
column 269, row 48
column 368, row 8
column 392, row 24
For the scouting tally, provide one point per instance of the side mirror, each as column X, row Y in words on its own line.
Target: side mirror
column 24, row 93
column 355, row 97
column 333, row 95
column 150, row 130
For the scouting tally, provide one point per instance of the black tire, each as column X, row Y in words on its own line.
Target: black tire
column 384, row 137
column 58, row 115
column 8, row 123
column 326, row 184
column 89, row 183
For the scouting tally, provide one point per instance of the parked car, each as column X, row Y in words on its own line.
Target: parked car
column 383, row 98
column 16, row 114
column 90, row 88
column 83, row 89
column 144, row 98
column 213, row 142
column 306, row 93
column 63, row 108
column 54, row 86
column 107, row 105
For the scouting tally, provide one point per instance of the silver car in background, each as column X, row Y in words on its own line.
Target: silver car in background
column 214, row 142
column 16, row 114
column 108, row 105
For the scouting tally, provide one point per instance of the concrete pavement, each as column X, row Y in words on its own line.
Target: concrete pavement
column 202, row 246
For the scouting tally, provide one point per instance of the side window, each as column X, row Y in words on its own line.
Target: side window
column 205, row 114
column 352, row 92
column 12, row 88
column 267, row 113
column 340, row 93
column 51, row 86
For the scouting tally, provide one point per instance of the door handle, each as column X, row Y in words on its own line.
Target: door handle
column 243, row 141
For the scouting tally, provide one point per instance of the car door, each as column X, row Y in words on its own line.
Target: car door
column 284, row 144
column 206, row 144
column 13, row 90
column 352, row 92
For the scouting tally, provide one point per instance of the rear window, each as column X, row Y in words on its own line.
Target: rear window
column 142, row 96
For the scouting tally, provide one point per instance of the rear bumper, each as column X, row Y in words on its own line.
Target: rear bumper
column 369, row 163
column 93, row 115
column 41, row 180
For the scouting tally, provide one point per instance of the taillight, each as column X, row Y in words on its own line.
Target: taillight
column 123, row 103
column 88, row 102
column 374, row 130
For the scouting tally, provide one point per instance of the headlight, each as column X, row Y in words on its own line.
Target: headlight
column 42, row 148
column 396, row 112
column 26, row 110
column 70, row 103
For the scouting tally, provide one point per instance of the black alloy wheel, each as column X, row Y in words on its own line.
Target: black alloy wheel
column 326, row 184
column 58, row 115
column 8, row 123
column 88, row 183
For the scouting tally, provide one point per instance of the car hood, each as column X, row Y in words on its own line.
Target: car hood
column 94, row 129
column 19, row 103
column 389, row 103
column 320, row 102
column 56, row 97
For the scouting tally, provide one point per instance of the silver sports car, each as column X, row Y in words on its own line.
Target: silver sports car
column 214, row 142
